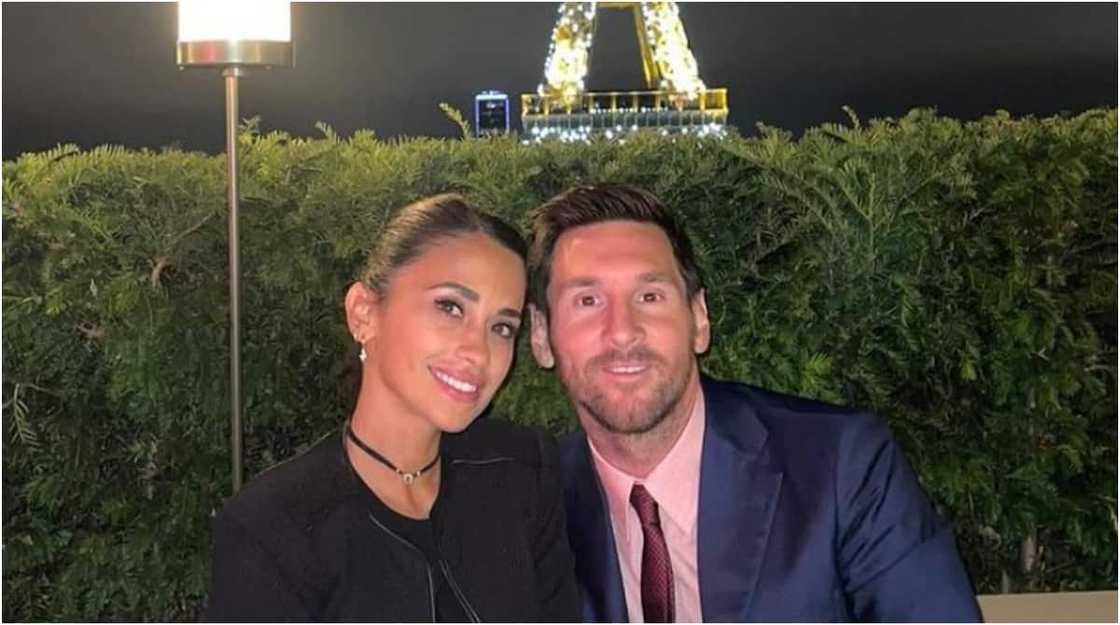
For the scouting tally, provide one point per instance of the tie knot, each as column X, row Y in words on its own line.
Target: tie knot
column 645, row 505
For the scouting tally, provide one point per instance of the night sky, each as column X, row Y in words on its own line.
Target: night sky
column 105, row 73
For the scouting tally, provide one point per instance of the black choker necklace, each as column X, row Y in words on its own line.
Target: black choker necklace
column 406, row 477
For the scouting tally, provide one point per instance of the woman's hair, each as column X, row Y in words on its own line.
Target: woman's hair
column 424, row 223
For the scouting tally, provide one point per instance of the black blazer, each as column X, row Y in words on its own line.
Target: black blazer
column 300, row 543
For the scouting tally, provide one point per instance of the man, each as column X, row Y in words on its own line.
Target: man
column 691, row 499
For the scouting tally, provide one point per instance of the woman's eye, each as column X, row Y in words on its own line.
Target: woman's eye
column 505, row 330
column 449, row 307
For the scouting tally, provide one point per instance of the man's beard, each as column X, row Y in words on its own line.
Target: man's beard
column 637, row 414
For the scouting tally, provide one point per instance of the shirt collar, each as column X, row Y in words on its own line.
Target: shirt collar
column 674, row 483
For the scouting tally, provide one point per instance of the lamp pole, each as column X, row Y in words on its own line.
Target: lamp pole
column 233, row 36
column 232, row 74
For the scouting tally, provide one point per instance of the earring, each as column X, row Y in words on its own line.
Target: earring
column 362, row 354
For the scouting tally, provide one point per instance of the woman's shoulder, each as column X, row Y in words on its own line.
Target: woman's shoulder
column 493, row 438
column 295, row 489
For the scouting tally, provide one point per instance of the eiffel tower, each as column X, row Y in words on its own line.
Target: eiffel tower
column 675, row 100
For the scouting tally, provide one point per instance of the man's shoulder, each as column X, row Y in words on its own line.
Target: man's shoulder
column 576, row 466
column 781, row 411
column 573, row 447
column 795, row 430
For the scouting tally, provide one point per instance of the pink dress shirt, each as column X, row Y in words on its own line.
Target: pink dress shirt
column 675, row 485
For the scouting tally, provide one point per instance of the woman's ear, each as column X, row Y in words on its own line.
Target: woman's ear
column 361, row 312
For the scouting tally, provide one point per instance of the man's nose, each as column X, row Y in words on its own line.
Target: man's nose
column 623, row 328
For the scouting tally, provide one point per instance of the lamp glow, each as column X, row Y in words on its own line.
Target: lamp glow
column 214, row 33
column 213, row 20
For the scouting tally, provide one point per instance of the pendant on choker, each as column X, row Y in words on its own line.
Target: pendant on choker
column 408, row 477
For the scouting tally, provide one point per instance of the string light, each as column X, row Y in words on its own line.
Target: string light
column 565, row 67
column 585, row 133
column 669, row 44
column 562, row 109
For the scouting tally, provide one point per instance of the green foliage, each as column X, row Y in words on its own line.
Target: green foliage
column 456, row 118
column 958, row 278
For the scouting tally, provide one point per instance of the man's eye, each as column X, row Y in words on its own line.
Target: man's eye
column 505, row 330
column 449, row 307
column 650, row 297
column 586, row 300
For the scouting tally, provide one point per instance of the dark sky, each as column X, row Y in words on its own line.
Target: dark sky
column 92, row 73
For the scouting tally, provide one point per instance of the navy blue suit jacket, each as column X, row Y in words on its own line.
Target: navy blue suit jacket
column 808, row 512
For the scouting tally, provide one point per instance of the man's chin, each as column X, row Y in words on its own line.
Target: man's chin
column 624, row 420
column 629, row 428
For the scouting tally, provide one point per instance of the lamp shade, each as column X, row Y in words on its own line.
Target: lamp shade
column 215, row 33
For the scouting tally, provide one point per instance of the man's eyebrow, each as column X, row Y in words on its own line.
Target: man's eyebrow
column 656, row 276
column 650, row 277
column 576, row 283
column 469, row 294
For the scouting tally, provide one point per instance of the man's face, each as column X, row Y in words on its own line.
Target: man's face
column 622, row 330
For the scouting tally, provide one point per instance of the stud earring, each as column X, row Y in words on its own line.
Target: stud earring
column 362, row 354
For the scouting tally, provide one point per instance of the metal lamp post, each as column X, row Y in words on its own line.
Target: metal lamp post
column 233, row 36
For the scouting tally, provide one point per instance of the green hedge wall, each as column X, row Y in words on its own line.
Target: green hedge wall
column 959, row 278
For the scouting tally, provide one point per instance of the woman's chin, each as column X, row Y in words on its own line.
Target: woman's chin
column 454, row 426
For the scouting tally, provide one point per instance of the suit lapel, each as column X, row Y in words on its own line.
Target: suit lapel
column 738, row 495
column 591, row 537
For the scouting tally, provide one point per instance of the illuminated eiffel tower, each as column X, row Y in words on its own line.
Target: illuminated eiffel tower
column 675, row 100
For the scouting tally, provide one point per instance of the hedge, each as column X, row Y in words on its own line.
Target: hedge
column 958, row 278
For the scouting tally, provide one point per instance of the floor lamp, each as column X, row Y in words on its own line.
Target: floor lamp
column 233, row 36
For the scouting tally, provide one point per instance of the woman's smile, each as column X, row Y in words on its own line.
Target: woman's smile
column 456, row 387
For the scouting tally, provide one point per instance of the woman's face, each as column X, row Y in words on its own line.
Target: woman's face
column 442, row 335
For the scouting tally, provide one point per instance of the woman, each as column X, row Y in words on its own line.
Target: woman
column 410, row 512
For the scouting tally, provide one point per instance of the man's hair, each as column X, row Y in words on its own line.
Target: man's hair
column 585, row 205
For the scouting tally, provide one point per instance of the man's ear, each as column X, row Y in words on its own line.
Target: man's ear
column 538, row 338
column 703, row 327
column 361, row 312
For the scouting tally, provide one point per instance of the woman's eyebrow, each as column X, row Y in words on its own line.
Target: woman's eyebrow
column 470, row 294
column 466, row 292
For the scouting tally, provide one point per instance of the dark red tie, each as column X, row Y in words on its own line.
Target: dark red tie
column 657, row 570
